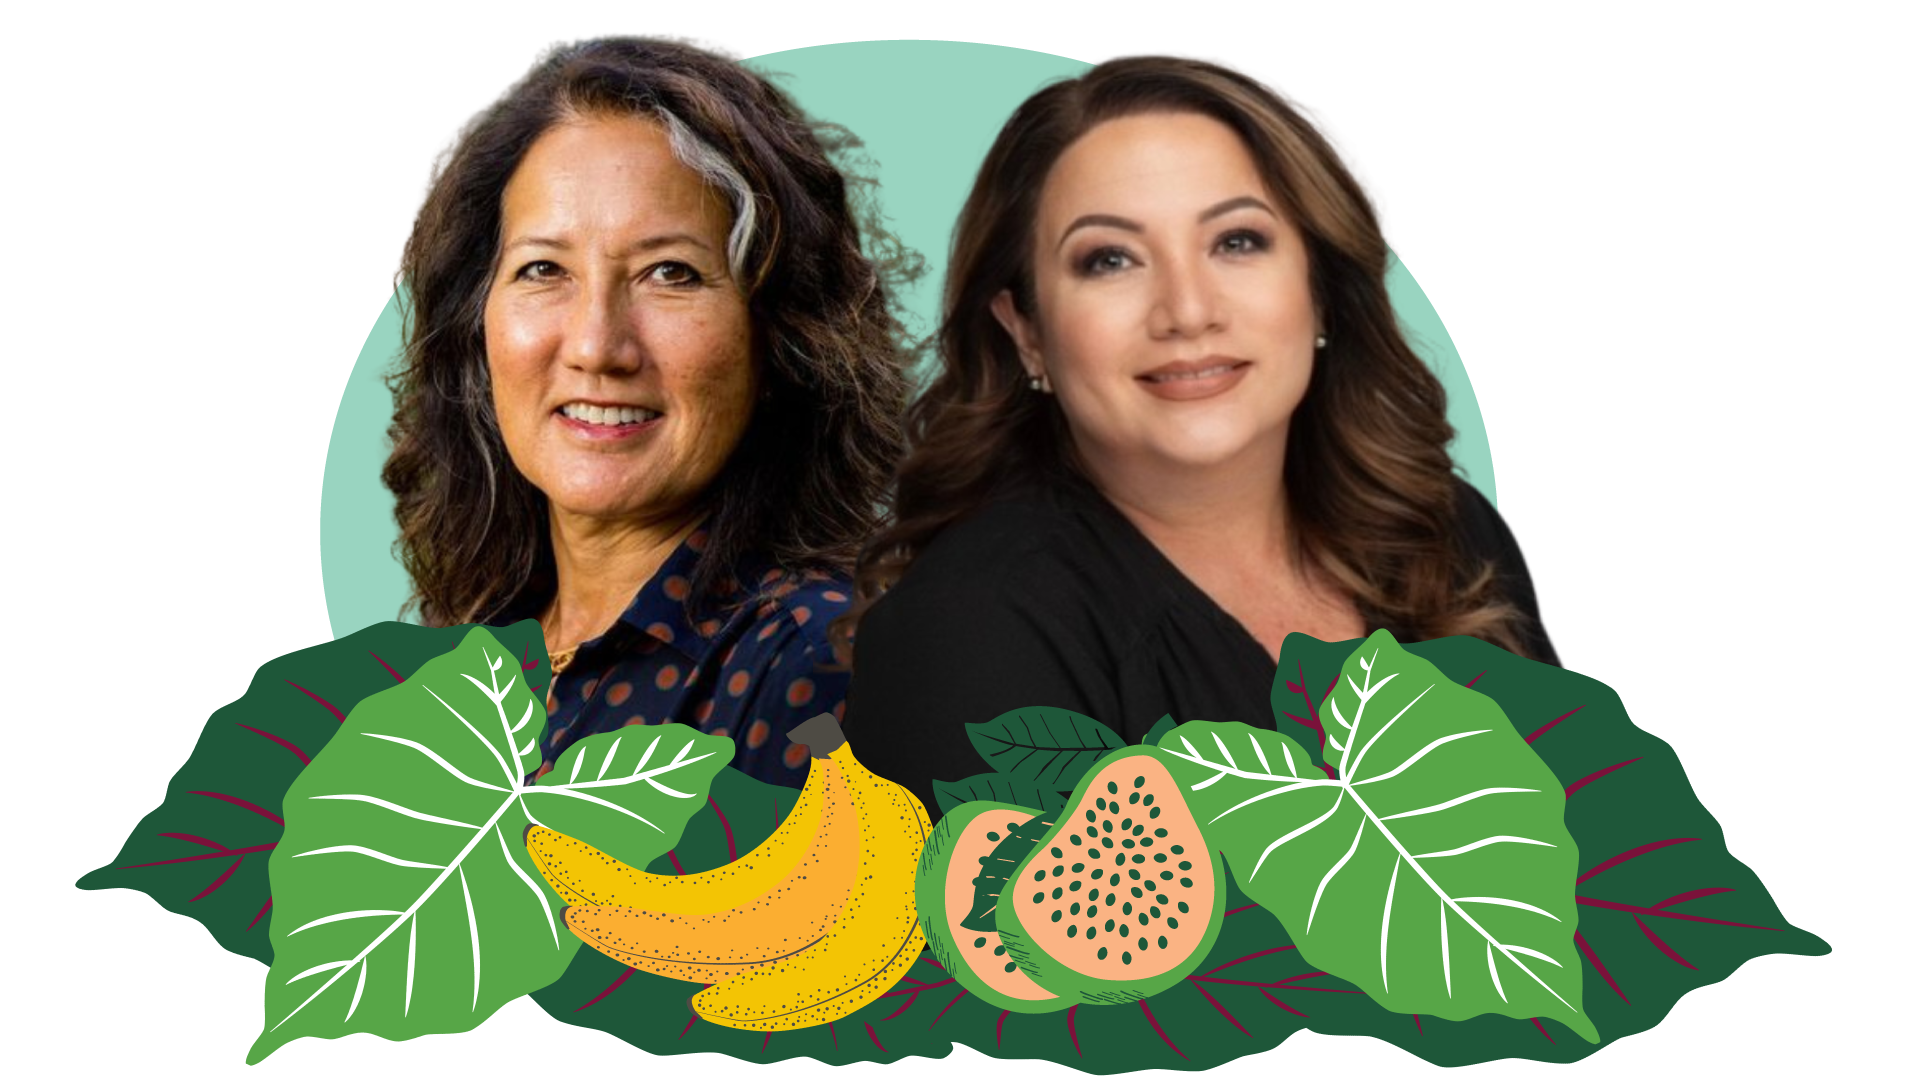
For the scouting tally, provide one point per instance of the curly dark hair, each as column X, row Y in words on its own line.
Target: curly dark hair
column 1368, row 479
column 807, row 482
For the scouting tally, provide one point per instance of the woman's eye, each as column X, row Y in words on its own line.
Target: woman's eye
column 1105, row 261
column 1243, row 242
column 538, row 270
column 676, row 273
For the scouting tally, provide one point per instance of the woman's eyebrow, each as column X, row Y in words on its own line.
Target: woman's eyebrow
column 1241, row 202
column 651, row 243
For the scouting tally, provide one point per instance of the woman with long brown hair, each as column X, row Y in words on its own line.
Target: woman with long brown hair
column 650, row 395
column 1176, row 421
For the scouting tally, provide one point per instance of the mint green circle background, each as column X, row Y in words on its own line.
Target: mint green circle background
column 1569, row 383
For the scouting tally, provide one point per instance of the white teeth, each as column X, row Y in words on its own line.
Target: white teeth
column 608, row 417
column 1202, row 373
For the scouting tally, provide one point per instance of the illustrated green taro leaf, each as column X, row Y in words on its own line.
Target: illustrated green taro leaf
column 203, row 851
column 1664, row 907
column 1050, row 747
column 1433, row 870
column 405, row 900
column 996, row 787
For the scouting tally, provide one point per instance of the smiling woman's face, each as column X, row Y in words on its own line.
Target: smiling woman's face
column 1175, row 317
column 620, row 348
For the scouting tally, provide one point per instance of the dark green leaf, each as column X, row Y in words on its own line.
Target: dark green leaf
column 996, row 787
column 1050, row 747
column 1160, row 727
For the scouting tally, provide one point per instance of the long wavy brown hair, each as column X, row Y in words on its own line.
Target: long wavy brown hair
column 806, row 485
column 1369, row 483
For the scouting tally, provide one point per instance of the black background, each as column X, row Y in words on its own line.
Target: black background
column 179, row 344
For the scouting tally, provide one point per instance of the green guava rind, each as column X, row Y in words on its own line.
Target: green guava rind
column 930, row 889
column 1077, row 986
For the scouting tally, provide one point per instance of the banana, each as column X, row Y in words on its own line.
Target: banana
column 584, row 875
column 778, row 923
column 877, row 935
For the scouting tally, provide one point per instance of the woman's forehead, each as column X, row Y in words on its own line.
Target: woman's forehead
column 605, row 173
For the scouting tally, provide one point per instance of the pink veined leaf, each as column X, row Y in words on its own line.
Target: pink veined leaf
column 297, row 752
column 1286, row 1006
column 1000, row 1026
column 1693, row 894
column 1072, row 1034
column 1543, row 1029
column 1156, row 1028
column 874, row 1037
column 1469, row 685
column 1591, row 777
column 397, row 677
column 1594, row 959
column 219, row 881
column 1211, row 1000
column 1628, row 856
column 950, row 1004
column 263, row 913
column 615, row 985
column 244, row 805
column 1662, row 945
column 1549, row 725
column 324, row 703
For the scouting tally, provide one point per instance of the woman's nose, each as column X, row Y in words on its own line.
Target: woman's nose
column 1185, row 303
column 601, row 335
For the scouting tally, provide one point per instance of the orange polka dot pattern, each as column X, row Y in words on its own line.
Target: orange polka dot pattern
column 753, row 664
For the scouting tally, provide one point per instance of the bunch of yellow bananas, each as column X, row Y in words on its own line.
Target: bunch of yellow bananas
column 808, row 927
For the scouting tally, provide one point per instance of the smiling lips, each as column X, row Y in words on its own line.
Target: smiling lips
column 1190, row 380
column 606, row 421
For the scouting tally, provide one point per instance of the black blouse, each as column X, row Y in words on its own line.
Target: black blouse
column 1049, row 596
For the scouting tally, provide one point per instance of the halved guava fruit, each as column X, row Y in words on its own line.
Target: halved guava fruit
column 962, row 870
column 1122, row 898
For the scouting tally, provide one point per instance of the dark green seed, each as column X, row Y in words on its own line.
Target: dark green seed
column 1150, row 886
column 1039, row 875
column 993, row 836
column 1039, row 896
column 1138, row 829
column 1134, row 798
column 1074, row 885
column 1167, row 875
column 1173, row 923
column 1138, row 780
column 1000, row 950
column 1163, row 943
column 1058, row 870
column 1159, row 858
column 1079, row 866
column 1073, row 931
column 1097, row 872
column 1106, row 826
column 1056, row 916
column 1075, row 838
column 1126, row 843
column 1161, row 833
column 1186, row 883
column 1090, row 933
column 1139, row 858
column 1126, row 958
column 1126, row 908
column 1089, row 815
column 1009, row 968
column 1092, row 895
column 1148, row 801
column 1154, row 911
column 1075, row 909
column 1106, row 841
column 1155, row 812
column 1056, row 853
column 1126, row 823
column 1143, row 922
column 978, row 942
column 1146, row 841
column 1109, row 925
column 1056, row 893
column 1182, row 905
column 1103, row 952
column 1110, row 898
column 1177, row 850
column 1119, row 860
column 1134, row 874
column 1136, row 890
column 1101, row 803
column 1112, row 788
column 1186, row 866
column 1091, row 831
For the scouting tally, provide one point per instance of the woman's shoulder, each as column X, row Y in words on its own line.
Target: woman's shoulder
column 802, row 603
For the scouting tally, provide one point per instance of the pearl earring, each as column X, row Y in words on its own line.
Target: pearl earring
column 1039, row 383
column 1320, row 341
